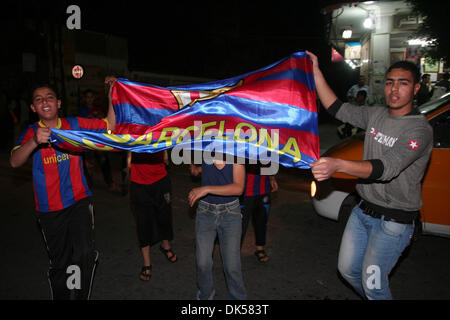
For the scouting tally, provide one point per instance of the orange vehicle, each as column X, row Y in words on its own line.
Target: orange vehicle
column 335, row 197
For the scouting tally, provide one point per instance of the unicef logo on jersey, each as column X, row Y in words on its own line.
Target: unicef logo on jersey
column 56, row 158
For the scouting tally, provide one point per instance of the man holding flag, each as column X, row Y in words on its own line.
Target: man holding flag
column 62, row 196
column 397, row 147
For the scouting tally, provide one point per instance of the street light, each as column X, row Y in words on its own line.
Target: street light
column 347, row 34
column 368, row 23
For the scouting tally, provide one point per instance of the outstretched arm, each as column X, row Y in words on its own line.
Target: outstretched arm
column 326, row 95
column 325, row 167
column 111, row 116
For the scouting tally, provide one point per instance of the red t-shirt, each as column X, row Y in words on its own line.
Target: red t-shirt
column 147, row 168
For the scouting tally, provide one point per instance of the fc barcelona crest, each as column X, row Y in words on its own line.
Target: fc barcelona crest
column 185, row 98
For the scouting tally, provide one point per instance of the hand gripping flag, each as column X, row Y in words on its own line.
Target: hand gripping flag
column 270, row 113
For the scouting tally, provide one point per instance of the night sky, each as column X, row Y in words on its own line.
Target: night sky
column 206, row 39
column 212, row 39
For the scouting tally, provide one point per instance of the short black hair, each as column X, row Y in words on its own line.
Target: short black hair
column 85, row 92
column 408, row 66
column 43, row 85
column 425, row 75
column 362, row 92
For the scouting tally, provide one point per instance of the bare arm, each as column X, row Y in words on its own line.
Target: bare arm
column 273, row 184
column 166, row 158
column 234, row 189
column 13, row 115
column 20, row 155
column 325, row 167
column 111, row 116
column 326, row 95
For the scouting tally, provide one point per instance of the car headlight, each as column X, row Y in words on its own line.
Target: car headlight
column 313, row 188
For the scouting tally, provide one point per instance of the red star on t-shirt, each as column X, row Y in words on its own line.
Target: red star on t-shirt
column 413, row 144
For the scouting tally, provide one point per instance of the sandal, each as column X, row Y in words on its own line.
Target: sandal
column 166, row 253
column 262, row 256
column 144, row 276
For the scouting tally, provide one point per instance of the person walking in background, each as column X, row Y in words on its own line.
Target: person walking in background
column 91, row 110
column 255, row 205
column 445, row 82
column 425, row 92
column 441, row 87
column 150, row 200
column 353, row 91
column 346, row 130
column 150, row 203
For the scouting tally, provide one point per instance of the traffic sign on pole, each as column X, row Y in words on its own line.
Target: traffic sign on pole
column 77, row 71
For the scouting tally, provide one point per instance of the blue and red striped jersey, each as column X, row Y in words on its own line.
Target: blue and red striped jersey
column 255, row 183
column 58, row 177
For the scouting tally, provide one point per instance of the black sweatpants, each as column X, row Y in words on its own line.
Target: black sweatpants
column 257, row 208
column 68, row 234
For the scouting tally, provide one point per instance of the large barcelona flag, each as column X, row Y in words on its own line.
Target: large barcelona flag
column 265, row 113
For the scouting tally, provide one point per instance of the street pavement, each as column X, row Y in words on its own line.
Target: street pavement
column 303, row 246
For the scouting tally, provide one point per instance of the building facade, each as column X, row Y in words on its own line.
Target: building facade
column 371, row 35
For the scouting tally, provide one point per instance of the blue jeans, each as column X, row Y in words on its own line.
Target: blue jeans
column 370, row 248
column 225, row 221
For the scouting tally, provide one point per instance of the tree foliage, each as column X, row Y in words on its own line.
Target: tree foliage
column 435, row 26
